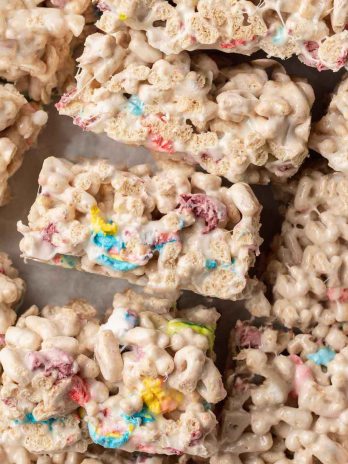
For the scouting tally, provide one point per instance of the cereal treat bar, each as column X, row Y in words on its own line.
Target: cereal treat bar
column 48, row 374
column 35, row 44
column 329, row 136
column 287, row 397
column 169, row 230
column 313, row 30
column 162, row 378
column 93, row 455
column 307, row 269
column 20, row 124
column 246, row 122
column 11, row 292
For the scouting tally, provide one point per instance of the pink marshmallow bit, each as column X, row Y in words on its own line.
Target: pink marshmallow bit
column 52, row 361
column 65, row 99
column 337, row 294
column 47, row 233
column 233, row 43
column 102, row 6
column 204, row 207
column 247, row 336
column 302, row 373
column 79, row 391
column 84, row 123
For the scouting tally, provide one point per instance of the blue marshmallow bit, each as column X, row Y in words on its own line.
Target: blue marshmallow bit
column 140, row 418
column 30, row 419
column 135, row 105
column 210, row 264
column 323, row 356
column 132, row 318
column 116, row 264
column 279, row 37
column 108, row 241
column 108, row 441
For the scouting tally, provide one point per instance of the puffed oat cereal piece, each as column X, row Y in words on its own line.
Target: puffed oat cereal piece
column 12, row 289
column 20, row 124
column 287, row 398
column 162, row 378
column 307, row 267
column 246, row 122
column 329, row 136
column 314, row 30
column 35, row 45
column 168, row 230
column 48, row 374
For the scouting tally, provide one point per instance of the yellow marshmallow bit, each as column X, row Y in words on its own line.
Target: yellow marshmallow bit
column 98, row 223
column 122, row 17
column 158, row 398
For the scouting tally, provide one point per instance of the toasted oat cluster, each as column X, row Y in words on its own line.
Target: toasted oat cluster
column 48, row 374
column 166, row 230
column 307, row 269
column 329, row 136
column 246, row 122
column 11, row 291
column 35, row 44
column 313, row 30
column 20, row 124
column 162, row 378
column 287, row 398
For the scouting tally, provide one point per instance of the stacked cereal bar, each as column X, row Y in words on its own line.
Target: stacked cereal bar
column 246, row 122
column 20, row 124
column 11, row 292
column 169, row 230
column 329, row 136
column 287, row 398
column 315, row 31
column 307, row 269
column 35, row 44
column 48, row 374
column 167, row 383
column 144, row 381
column 93, row 455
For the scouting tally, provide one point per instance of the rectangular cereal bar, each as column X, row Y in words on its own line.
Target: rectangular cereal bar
column 307, row 271
column 314, row 31
column 245, row 122
column 11, row 292
column 94, row 455
column 35, row 44
column 287, row 398
column 20, row 124
column 167, row 383
column 329, row 136
column 167, row 230
column 143, row 381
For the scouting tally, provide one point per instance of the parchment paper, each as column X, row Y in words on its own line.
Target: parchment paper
column 52, row 285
